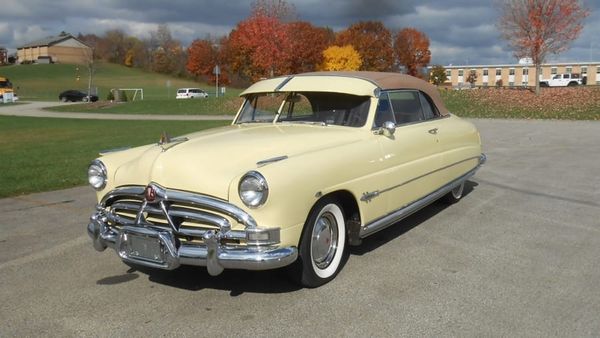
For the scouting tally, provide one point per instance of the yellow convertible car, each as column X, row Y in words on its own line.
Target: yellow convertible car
column 312, row 163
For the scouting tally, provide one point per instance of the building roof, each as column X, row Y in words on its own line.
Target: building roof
column 49, row 41
column 356, row 83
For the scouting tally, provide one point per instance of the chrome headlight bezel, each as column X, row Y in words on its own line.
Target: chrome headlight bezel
column 253, row 189
column 97, row 175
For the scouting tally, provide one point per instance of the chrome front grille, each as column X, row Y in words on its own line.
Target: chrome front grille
column 190, row 216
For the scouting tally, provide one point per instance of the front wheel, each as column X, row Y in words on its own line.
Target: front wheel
column 322, row 246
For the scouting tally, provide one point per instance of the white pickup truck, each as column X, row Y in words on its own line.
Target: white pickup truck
column 563, row 80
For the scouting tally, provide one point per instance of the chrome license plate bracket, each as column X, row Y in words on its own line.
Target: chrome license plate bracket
column 144, row 247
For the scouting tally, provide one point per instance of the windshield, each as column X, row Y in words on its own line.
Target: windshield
column 306, row 107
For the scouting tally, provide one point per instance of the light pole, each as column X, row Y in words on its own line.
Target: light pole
column 217, row 71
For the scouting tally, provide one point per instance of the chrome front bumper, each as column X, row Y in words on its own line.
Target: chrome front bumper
column 214, row 256
column 140, row 238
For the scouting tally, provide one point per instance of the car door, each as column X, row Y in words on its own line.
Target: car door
column 412, row 154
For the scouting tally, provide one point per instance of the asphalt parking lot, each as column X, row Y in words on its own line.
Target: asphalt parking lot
column 518, row 256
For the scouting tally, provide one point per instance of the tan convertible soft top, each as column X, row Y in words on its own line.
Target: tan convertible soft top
column 357, row 83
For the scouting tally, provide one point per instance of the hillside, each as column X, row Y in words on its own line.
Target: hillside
column 45, row 82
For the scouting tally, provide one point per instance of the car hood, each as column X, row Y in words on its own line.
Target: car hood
column 208, row 162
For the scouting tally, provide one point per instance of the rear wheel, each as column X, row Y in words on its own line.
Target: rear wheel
column 322, row 246
column 455, row 194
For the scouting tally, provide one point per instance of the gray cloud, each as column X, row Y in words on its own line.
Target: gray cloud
column 460, row 30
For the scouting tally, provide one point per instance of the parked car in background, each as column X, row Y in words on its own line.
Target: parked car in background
column 564, row 80
column 76, row 95
column 190, row 93
column 312, row 163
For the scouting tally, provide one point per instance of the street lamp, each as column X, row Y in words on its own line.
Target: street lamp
column 217, row 71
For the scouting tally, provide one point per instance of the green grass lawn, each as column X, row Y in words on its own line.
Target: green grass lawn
column 39, row 154
column 45, row 82
column 228, row 105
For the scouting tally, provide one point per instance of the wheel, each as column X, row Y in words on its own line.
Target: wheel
column 85, row 99
column 63, row 99
column 455, row 194
column 322, row 246
column 572, row 84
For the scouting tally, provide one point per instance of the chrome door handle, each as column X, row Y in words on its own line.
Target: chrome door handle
column 433, row 131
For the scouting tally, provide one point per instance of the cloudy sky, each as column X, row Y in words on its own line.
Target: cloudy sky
column 461, row 31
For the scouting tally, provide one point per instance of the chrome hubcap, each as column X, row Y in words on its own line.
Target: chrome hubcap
column 457, row 192
column 324, row 240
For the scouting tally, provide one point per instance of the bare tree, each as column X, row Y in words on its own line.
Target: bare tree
column 536, row 28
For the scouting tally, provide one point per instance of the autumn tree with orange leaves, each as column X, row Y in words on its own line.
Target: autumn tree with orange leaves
column 536, row 28
column 412, row 50
column 373, row 41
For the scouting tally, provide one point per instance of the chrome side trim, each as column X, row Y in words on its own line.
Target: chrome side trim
column 283, row 83
column 368, row 196
column 415, row 206
column 271, row 160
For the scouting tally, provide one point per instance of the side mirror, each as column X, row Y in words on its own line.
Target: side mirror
column 388, row 128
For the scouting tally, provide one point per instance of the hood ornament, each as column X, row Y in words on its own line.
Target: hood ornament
column 166, row 142
column 150, row 193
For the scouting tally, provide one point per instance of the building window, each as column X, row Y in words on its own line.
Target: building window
column 598, row 69
column 511, row 84
column 525, row 71
column 525, row 84
column 461, row 72
column 553, row 70
column 569, row 70
column 584, row 70
column 498, row 71
column 448, row 73
column 511, row 71
column 485, row 84
column 485, row 72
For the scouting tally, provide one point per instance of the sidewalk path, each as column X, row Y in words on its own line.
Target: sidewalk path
column 35, row 109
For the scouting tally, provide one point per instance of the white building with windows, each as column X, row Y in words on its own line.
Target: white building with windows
column 521, row 74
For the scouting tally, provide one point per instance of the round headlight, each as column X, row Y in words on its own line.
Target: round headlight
column 253, row 189
column 97, row 175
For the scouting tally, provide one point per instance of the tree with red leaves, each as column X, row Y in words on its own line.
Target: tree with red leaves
column 536, row 28
column 260, row 47
column 308, row 43
column 373, row 41
column 203, row 56
column 412, row 50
